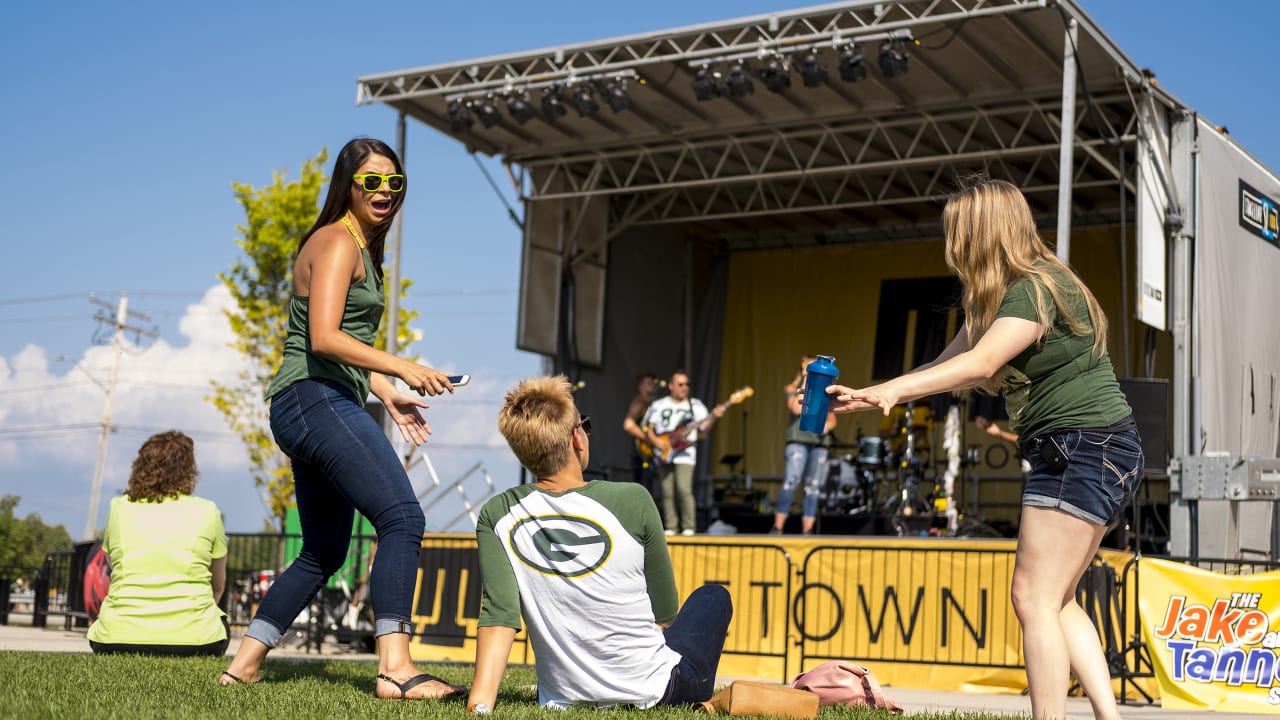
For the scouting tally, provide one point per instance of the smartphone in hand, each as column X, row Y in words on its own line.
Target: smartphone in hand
column 459, row 380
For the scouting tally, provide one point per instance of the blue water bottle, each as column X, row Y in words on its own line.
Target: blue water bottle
column 813, row 415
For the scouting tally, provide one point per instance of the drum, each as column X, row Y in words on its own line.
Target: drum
column 871, row 451
column 850, row 487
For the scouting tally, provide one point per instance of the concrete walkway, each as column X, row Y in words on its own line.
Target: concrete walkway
column 18, row 637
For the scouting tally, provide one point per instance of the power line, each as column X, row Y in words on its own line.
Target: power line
column 46, row 318
column 42, row 298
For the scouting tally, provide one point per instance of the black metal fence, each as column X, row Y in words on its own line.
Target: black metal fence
column 253, row 563
column 15, row 590
column 59, row 590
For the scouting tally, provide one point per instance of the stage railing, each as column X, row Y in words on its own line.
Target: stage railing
column 936, row 606
column 769, row 572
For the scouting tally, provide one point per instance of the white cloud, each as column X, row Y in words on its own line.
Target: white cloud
column 51, row 412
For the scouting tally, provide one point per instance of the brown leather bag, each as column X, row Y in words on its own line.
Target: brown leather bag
column 744, row 697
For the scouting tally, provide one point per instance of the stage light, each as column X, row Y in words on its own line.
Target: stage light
column 705, row 84
column 520, row 109
column 584, row 101
column 459, row 117
column 775, row 75
column 738, row 81
column 552, row 103
column 813, row 73
column 487, row 112
column 616, row 96
column 893, row 59
column 852, row 67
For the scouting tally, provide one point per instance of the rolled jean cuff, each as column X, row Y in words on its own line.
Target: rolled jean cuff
column 264, row 632
column 387, row 626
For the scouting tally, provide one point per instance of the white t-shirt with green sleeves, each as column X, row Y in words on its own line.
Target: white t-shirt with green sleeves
column 161, row 585
column 589, row 573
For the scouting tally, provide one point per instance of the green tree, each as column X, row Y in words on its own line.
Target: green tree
column 261, row 283
column 24, row 542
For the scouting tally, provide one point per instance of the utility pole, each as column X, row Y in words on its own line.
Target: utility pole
column 119, row 325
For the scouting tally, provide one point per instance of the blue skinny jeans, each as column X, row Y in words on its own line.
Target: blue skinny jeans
column 804, row 462
column 342, row 463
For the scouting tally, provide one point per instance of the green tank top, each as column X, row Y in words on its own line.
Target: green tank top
column 360, row 319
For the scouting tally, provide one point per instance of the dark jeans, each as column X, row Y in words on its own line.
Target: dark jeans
column 342, row 462
column 698, row 634
column 216, row 649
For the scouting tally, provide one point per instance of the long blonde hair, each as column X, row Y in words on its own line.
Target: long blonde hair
column 991, row 241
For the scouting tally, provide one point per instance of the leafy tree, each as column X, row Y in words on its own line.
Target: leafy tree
column 24, row 542
column 261, row 283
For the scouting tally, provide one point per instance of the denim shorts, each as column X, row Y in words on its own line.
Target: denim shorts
column 1100, row 479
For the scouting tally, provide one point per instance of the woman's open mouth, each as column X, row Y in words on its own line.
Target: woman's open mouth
column 381, row 207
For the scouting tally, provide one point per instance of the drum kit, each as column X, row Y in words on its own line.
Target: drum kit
column 886, row 474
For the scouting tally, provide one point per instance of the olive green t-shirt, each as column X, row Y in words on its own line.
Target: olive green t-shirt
column 1058, row 384
column 360, row 318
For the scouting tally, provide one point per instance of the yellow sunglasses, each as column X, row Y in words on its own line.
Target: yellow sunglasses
column 373, row 183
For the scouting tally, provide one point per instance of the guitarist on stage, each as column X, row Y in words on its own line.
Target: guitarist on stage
column 641, row 464
column 680, row 418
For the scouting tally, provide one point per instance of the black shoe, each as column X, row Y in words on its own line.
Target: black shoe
column 775, row 531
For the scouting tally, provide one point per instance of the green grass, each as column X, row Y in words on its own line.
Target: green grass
column 69, row 686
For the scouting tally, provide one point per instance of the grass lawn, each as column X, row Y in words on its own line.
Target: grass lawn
column 70, row 686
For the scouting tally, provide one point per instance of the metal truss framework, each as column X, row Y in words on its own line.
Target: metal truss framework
column 782, row 32
column 986, row 99
column 880, row 163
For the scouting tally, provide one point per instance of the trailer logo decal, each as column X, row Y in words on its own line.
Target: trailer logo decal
column 1258, row 214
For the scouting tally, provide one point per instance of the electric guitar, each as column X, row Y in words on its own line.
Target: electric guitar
column 672, row 442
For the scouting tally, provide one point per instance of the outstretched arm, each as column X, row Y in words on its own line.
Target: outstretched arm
column 1003, row 341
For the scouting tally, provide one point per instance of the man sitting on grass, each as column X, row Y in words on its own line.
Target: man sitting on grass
column 586, row 566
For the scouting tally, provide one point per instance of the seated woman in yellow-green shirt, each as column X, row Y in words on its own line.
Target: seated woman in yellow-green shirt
column 168, row 555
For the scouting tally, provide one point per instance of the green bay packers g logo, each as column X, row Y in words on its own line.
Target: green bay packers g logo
column 563, row 545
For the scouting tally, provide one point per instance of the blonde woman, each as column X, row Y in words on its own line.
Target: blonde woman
column 1035, row 334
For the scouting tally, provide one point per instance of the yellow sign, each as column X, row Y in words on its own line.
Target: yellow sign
column 1214, row 639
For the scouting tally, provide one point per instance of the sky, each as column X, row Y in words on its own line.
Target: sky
column 123, row 126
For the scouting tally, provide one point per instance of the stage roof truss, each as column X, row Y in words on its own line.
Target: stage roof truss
column 983, row 93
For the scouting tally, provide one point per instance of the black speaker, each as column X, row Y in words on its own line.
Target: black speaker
column 1149, row 398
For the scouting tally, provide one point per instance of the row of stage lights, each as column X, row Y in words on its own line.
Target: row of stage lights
column 708, row 84
column 462, row 113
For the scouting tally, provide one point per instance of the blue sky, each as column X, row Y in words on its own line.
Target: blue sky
column 125, row 124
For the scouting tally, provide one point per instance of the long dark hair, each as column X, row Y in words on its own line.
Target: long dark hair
column 350, row 158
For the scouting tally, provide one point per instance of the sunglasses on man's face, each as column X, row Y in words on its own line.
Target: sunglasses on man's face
column 585, row 424
column 373, row 183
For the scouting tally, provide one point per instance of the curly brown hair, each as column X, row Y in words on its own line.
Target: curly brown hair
column 165, row 468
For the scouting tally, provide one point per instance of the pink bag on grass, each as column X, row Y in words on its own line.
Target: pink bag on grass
column 842, row 683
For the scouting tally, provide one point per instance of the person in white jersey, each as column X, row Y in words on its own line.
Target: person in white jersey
column 585, row 566
column 673, row 425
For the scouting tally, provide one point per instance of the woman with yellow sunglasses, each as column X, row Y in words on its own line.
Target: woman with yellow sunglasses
column 341, row 460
